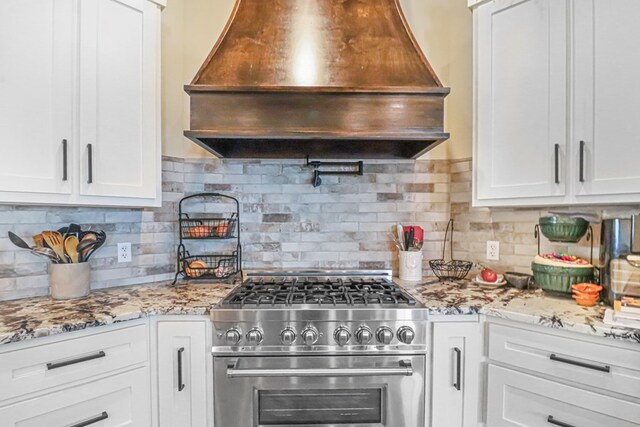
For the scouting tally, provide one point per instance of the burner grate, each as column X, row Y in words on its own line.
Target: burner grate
column 352, row 291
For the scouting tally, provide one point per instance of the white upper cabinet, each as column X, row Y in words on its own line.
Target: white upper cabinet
column 80, row 102
column 607, row 100
column 521, row 69
column 557, row 102
column 119, row 98
column 36, row 97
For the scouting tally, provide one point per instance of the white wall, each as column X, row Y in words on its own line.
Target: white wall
column 442, row 28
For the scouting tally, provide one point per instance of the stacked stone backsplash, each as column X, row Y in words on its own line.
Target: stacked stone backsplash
column 285, row 221
column 513, row 227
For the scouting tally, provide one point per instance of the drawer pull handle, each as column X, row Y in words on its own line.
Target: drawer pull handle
column 458, row 367
column 555, row 422
column 102, row 416
column 180, row 384
column 56, row 365
column 605, row 368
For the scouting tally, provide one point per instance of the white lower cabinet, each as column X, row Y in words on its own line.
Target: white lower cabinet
column 519, row 399
column 120, row 400
column 543, row 377
column 95, row 377
column 455, row 374
column 183, row 358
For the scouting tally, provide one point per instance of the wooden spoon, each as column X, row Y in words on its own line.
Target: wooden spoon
column 38, row 240
column 53, row 239
column 71, row 248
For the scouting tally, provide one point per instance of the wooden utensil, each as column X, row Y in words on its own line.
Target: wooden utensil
column 53, row 239
column 71, row 248
column 84, row 247
column 38, row 240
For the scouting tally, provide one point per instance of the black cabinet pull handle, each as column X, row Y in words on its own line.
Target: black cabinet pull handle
column 64, row 160
column 180, row 384
column 102, row 416
column 553, row 421
column 557, row 163
column 56, row 365
column 582, row 144
column 605, row 368
column 457, row 383
column 90, row 163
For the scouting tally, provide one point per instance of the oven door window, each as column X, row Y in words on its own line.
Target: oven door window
column 320, row 407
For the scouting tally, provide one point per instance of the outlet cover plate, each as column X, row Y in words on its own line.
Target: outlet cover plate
column 493, row 250
column 124, row 252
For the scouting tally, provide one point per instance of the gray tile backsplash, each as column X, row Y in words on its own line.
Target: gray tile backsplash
column 285, row 221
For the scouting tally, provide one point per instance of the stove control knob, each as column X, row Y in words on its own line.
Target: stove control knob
column 288, row 336
column 232, row 337
column 310, row 335
column 406, row 335
column 342, row 335
column 254, row 337
column 384, row 335
column 363, row 335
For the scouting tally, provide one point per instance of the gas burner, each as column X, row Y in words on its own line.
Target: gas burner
column 319, row 291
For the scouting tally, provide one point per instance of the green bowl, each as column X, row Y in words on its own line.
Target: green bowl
column 558, row 280
column 563, row 228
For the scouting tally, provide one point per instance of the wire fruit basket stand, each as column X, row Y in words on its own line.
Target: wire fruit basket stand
column 450, row 270
column 204, row 265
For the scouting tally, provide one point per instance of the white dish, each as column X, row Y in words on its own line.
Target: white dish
column 500, row 282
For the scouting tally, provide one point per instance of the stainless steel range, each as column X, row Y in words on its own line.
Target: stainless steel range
column 321, row 348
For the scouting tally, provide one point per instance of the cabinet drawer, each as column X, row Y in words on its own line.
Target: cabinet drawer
column 121, row 400
column 37, row 368
column 580, row 361
column 518, row 399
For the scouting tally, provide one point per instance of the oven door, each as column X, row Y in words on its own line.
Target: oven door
column 321, row 391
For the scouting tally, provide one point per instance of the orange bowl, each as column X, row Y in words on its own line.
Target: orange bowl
column 586, row 288
column 585, row 302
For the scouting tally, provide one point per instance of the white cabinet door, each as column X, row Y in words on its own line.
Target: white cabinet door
column 36, row 97
column 117, row 401
column 455, row 374
column 182, row 375
column 521, row 117
column 119, row 92
column 607, row 101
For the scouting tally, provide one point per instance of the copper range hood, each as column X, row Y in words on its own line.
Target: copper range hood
column 341, row 79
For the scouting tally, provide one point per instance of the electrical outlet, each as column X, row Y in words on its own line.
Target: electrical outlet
column 124, row 252
column 493, row 250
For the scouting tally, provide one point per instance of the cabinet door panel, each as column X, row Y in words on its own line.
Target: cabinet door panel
column 36, row 95
column 607, row 98
column 182, row 378
column 455, row 388
column 118, row 98
column 521, row 75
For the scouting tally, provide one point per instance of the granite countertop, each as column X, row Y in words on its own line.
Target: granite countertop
column 37, row 317
column 530, row 307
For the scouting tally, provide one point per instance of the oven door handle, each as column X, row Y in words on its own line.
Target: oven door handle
column 404, row 369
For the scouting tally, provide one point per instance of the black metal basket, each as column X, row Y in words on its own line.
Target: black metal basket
column 207, row 228
column 450, row 270
column 209, row 266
